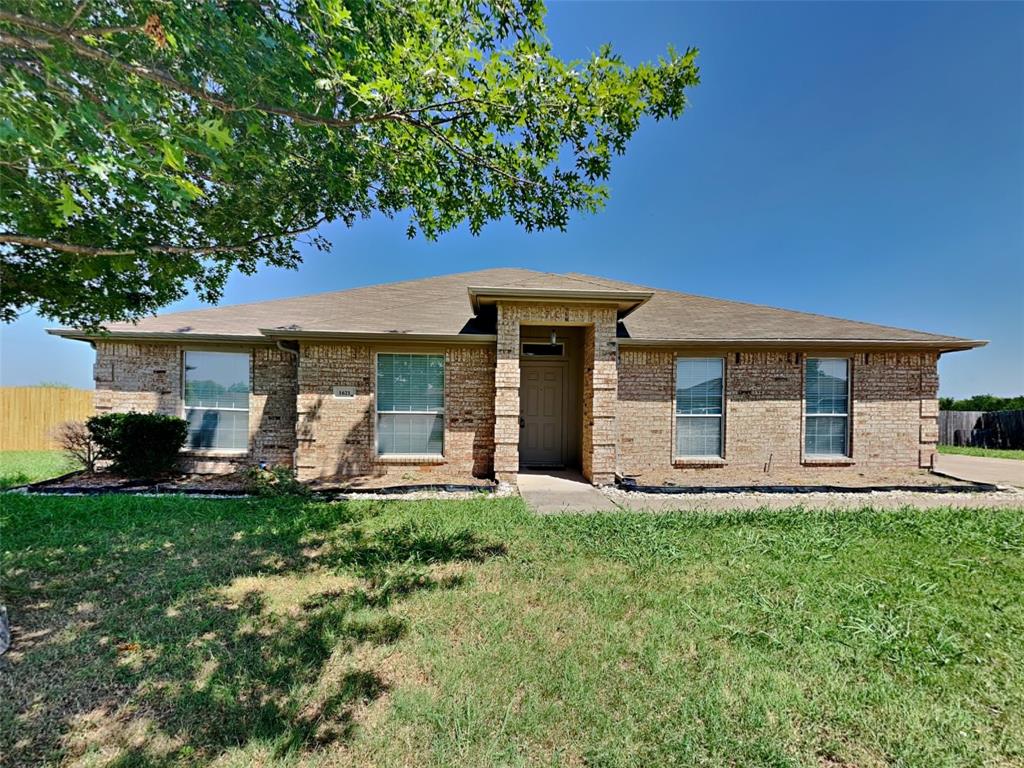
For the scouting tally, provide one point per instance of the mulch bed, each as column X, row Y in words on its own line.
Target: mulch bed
column 84, row 484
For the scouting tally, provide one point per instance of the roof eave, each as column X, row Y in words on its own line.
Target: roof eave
column 625, row 301
column 939, row 345
column 80, row 335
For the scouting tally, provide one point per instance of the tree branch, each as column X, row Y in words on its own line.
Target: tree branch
column 74, row 16
column 469, row 157
column 175, row 250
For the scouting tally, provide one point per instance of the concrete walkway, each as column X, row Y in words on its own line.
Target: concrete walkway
column 547, row 492
column 979, row 469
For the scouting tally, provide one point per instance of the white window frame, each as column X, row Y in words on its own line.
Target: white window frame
column 847, row 453
column 185, row 408
column 378, row 411
column 676, row 416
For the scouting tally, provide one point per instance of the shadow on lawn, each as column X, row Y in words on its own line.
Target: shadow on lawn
column 168, row 666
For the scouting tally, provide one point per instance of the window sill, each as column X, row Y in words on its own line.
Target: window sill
column 699, row 461
column 827, row 461
column 410, row 458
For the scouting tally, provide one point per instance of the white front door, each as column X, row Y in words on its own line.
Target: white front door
column 541, row 394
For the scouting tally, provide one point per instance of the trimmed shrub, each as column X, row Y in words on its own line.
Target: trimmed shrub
column 141, row 445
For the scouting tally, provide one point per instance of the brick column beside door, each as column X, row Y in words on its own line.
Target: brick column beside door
column 600, row 395
column 506, row 397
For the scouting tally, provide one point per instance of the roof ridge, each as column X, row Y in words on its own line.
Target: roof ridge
column 583, row 277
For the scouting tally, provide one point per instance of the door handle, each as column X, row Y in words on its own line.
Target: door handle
column 522, row 422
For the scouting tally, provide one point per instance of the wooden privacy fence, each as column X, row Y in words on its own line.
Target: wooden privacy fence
column 982, row 429
column 29, row 415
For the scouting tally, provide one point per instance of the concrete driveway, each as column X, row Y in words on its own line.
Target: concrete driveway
column 981, row 470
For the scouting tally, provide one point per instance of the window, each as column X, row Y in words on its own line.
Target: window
column 538, row 349
column 410, row 404
column 699, row 406
column 826, row 407
column 217, row 400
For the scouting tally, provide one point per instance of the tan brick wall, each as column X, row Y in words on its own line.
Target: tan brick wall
column 895, row 408
column 336, row 436
column 272, row 406
column 894, row 418
column 147, row 378
column 137, row 377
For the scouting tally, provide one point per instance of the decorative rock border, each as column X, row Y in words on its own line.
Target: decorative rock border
column 625, row 484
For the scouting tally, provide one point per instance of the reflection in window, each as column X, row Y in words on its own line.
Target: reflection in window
column 217, row 400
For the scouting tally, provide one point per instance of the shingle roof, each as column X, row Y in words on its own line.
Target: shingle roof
column 440, row 306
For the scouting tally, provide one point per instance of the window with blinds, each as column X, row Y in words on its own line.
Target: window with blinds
column 410, row 404
column 826, row 407
column 699, row 406
column 216, row 399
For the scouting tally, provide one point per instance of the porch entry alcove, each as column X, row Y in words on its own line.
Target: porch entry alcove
column 556, row 410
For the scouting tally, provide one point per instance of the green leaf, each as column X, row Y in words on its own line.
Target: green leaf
column 188, row 187
column 215, row 134
column 67, row 208
column 174, row 156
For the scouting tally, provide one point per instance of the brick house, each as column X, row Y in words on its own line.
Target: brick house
column 486, row 372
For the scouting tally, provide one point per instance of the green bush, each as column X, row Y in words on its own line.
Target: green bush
column 275, row 481
column 142, row 445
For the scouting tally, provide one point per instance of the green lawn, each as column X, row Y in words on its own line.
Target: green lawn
column 21, row 467
column 992, row 453
column 163, row 631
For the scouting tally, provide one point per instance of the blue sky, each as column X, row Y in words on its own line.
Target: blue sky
column 860, row 160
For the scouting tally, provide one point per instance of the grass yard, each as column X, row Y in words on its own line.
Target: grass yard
column 163, row 631
column 992, row 453
column 21, row 467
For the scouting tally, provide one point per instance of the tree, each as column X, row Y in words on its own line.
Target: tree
column 982, row 403
column 149, row 146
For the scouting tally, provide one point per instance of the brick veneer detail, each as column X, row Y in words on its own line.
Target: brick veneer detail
column 336, row 436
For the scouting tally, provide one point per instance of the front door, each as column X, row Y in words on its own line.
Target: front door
column 541, row 395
